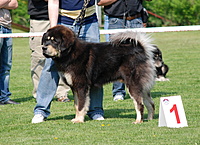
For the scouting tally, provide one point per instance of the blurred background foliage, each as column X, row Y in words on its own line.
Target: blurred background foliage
column 20, row 15
column 173, row 12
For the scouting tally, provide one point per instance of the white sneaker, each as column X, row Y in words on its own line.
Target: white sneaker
column 97, row 117
column 118, row 98
column 38, row 118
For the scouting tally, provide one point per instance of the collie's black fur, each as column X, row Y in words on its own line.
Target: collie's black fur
column 127, row 57
column 161, row 67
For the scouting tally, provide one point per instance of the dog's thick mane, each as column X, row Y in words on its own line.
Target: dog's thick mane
column 134, row 37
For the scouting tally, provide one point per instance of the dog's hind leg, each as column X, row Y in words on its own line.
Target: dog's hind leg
column 81, row 103
column 138, row 103
column 149, row 104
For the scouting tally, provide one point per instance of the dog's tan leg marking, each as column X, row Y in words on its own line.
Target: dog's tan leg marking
column 77, row 118
column 138, row 108
column 68, row 77
column 80, row 115
column 139, row 116
column 148, row 102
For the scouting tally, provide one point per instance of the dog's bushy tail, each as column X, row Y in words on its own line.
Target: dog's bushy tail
column 134, row 37
column 145, row 41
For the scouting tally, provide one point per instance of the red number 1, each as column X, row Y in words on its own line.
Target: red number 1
column 174, row 108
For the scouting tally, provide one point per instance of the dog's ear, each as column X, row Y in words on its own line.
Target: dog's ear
column 68, row 38
column 43, row 37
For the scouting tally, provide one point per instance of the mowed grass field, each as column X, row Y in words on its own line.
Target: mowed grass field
column 181, row 52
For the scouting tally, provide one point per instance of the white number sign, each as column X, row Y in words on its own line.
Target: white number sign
column 171, row 113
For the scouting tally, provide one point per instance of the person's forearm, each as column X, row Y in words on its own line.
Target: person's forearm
column 105, row 2
column 53, row 10
column 3, row 3
column 8, row 4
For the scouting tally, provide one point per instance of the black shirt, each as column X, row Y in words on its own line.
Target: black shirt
column 38, row 9
column 122, row 8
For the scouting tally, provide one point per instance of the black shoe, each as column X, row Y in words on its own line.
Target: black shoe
column 10, row 102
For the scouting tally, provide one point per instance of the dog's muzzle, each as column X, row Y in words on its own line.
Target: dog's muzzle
column 49, row 51
column 44, row 48
column 45, row 52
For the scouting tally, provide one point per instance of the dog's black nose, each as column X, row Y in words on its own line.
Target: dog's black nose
column 44, row 48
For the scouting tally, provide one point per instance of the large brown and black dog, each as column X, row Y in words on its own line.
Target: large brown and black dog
column 127, row 57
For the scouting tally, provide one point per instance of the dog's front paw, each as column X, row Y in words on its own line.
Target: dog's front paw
column 166, row 79
column 137, row 122
column 77, row 120
column 162, row 79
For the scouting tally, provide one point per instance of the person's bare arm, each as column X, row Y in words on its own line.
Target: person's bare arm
column 105, row 2
column 53, row 10
column 3, row 3
column 8, row 4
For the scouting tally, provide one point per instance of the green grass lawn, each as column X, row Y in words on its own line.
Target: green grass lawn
column 180, row 52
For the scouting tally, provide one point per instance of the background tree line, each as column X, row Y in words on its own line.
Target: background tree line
column 173, row 12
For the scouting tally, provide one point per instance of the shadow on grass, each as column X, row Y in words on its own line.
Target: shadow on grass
column 109, row 113
column 124, row 113
column 64, row 117
column 114, row 113
column 30, row 98
column 26, row 99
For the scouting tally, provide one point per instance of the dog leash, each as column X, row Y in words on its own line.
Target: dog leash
column 81, row 16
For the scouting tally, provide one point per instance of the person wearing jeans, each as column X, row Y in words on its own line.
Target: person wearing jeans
column 49, row 77
column 6, row 50
column 39, row 22
column 121, row 14
column 117, row 23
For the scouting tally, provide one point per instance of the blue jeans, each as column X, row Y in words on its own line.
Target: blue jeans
column 117, row 23
column 49, row 78
column 5, row 64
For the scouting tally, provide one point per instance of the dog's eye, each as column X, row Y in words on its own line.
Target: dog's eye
column 54, row 41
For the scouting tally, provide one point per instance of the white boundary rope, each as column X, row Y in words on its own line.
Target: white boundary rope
column 112, row 31
column 155, row 29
